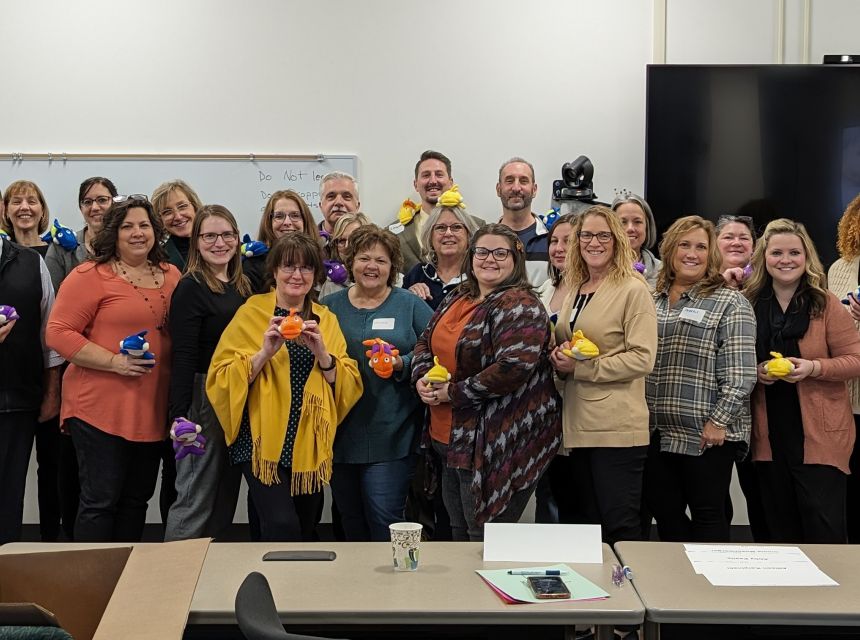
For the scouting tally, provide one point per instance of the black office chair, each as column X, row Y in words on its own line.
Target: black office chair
column 257, row 614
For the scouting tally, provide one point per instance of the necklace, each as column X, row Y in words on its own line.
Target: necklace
column 138, row 286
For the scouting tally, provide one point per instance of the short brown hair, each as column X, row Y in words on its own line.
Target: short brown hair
column 22, row 186
column 433, row 155
column 370, row 235
column 266, row 233
column 301, row 249
column 713, row 278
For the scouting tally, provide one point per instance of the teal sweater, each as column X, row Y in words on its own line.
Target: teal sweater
column 383, row 425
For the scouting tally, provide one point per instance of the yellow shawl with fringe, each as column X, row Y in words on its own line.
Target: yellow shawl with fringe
column 324, row 406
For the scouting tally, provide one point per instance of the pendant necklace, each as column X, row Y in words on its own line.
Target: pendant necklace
column 160, row 325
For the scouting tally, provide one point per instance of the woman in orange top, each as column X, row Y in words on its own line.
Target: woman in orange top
column 114, row 404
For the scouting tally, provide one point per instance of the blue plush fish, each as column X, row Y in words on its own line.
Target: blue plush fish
column 3, row 234
column 251, row 248
column 63, row 236
column 550, row 217
column 136, row 345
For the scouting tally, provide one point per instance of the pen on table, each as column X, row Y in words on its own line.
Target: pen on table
column 548, row 572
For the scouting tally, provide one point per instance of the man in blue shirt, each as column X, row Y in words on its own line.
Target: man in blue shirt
column 516, row 189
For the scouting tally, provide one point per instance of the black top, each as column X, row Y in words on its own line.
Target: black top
column 42, row 249
column 177, row 251
column 425, row 273
column 198, row 317
column 255, row 268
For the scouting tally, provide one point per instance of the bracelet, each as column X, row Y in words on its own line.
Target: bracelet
column 331, row 366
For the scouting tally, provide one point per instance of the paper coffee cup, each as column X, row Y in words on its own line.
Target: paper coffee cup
column 405, row 538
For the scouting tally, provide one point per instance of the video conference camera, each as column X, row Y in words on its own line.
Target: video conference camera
column 575, row 191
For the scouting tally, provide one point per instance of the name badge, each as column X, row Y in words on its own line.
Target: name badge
column 384, row 324
column 396, row 228
column 692, row 314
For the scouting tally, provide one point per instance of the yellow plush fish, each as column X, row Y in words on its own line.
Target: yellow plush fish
column 451, row 198
column 407, row 211
column 437, row 374
column 581, row 347
column 779, row 367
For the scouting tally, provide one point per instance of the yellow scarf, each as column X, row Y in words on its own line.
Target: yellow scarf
column 324, row 406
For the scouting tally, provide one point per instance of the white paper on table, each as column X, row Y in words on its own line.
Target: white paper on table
column 755, row 566
column 521, row 542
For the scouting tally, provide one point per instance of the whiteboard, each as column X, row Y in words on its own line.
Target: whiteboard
column 243, row 184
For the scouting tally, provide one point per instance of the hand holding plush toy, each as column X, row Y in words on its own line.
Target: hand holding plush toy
column 779, row 367
column 292, row 326
column 580, row 347
column 437, row 374
column 186, row 438
column 137, row 346
column 382, row 356
column 7, row 314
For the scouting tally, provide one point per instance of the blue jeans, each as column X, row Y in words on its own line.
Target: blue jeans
column 371, row 496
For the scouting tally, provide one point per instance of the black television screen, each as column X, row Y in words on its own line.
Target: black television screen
column 768, row 141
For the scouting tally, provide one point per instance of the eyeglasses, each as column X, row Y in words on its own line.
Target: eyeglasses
column 442, row 229
column 280, row 216
column 482, row 253
column 102, row 201
column 602, row 236
column 134, row 196
column 182, row 207
column 290, row 269
column 228, row 237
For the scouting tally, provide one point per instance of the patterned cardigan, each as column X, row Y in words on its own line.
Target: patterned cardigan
column 506, row 424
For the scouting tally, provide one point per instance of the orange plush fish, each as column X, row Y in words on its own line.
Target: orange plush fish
column 291, row 326
column 382, row 356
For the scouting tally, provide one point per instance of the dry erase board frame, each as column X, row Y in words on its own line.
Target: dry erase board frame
column 242, row 183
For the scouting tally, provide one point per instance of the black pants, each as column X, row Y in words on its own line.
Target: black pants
column 608, row 484
column 675, row 481
column 852, row 492
column 117, row 480
column 803, row 503
column 424, row 502
column 17, row 430
column 283, row 516
column 167, row 495
column 57, row 481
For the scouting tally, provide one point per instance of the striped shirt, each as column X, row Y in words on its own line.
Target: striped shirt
column 705, row 369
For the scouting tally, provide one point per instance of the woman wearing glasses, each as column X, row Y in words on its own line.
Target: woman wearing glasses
column 205, row 300
column 496, row 424
column 605, row 416
column 339, row 250
column 285, row 211
column 698, row 392
column 280, row 401
column 177, row 204
column 114, row 404
column 375, row 445
column 445, row 241
column 641, row 230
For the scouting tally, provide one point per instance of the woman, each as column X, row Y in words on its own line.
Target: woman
column 205, row 301
column 803, row 430
column 842, row 277
column 374, row 448
column 25, row 215
column 285, row 211
column 496, row 424
column 279, row 402
column 698, row 392
column 638, row 222
column 95, row 196
column 605, row 417
column 338, row 247
column 445, row 238
column 176, row 203
column 114, row 404
column 735, row 239
column 555, row 288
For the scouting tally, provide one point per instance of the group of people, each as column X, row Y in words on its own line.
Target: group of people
column 271, row 357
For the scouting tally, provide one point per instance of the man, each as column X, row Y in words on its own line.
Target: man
column 338, row 195
column 29, row 375
column 432, row 179
column 516, row 189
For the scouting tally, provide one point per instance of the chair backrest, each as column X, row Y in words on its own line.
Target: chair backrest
column 257, row 614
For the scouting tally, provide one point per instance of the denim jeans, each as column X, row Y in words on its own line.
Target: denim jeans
column 371, row 496
column 118, row 478
column 460, row 501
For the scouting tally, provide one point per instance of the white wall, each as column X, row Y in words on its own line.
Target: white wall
column 384, row 79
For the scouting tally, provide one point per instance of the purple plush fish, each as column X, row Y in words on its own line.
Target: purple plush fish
column 7, row 314
column 186, row 438
column 335, row 271
column 639, row 266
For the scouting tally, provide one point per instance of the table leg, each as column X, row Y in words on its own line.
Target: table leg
column 651, row 630
column 604, row 632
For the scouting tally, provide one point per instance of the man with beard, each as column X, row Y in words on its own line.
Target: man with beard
column 432, row 179
column 338, row 195
column 516, row 189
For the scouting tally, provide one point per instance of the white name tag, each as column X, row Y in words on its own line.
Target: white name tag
column 692, row 314
column 396, row 228
column 385, row 324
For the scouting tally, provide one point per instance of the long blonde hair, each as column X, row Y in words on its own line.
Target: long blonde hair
column 713, row 278
column 813, row 284
column 575, row 268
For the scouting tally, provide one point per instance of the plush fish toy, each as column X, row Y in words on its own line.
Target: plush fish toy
column 852, row 294
column 251, row 248
column 407, row 211
column 451, row 198
column 581, row 347
column 60, row 235
column 437, row 374
column 187, row 439
column 3, row 234
column 7, row 314
column 137, row 346
column 291, row 327
column 779, row 367
column 382, row 356
column 639, row 267
column 550, row 217
column 335, row 271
